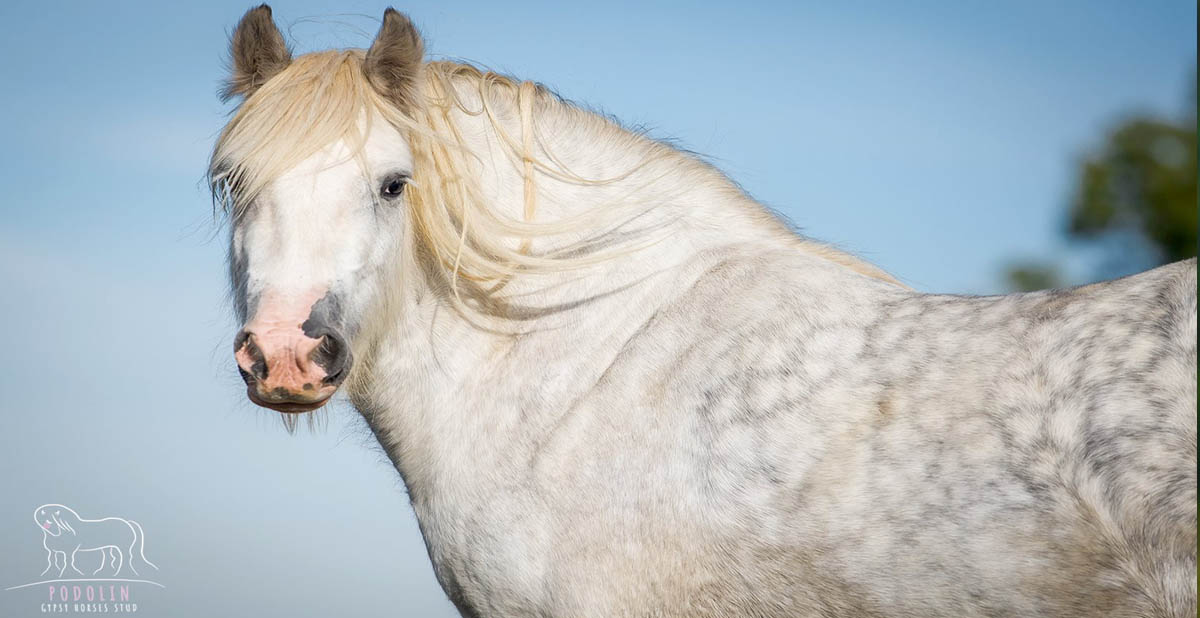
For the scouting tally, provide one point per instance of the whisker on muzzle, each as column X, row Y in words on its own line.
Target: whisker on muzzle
column 315, row 420
column 289, row 422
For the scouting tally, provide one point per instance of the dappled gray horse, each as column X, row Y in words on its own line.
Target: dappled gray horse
column 615, row 385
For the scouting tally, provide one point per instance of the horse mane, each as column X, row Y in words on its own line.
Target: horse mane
column 323, row 97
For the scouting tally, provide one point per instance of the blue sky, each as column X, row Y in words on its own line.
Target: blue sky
column 936, row 139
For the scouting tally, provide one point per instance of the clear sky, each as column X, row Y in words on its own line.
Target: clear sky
column 936, row 139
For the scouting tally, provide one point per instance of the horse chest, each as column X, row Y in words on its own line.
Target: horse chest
column 489, row 556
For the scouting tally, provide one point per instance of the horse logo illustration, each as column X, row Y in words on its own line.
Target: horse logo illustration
column 65, row 534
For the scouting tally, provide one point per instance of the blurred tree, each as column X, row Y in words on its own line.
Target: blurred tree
column 1033, row 276
column 1140, row 186
column 1144, row 181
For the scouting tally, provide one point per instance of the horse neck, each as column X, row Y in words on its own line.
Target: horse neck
column 441, row 389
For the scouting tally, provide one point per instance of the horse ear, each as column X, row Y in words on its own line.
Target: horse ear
column 257, row 52
column 394, row 60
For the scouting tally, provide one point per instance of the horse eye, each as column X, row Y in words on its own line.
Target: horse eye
column 392, row 188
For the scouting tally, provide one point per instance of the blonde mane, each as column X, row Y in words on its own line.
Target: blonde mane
column 323, row 97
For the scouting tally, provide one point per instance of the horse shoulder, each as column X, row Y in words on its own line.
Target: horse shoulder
column 707, row 421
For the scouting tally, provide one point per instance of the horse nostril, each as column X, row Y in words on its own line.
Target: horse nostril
column 258, row 362
column 334, row 355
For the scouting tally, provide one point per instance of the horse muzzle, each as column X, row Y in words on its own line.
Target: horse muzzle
column 289, row 369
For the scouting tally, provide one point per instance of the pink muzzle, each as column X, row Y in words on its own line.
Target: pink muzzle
column 291, row 362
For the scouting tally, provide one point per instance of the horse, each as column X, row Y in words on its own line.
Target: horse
column 615, row 385
column 65, row 534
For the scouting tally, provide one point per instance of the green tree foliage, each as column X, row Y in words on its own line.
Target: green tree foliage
column 1144, row 181
column 1033, row 276
column 1141, row 184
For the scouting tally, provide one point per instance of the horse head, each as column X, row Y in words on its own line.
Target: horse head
column 314, row 170
column 54, row 519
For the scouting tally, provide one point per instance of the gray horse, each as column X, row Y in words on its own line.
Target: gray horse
column 615, row 385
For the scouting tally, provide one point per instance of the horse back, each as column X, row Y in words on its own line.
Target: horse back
column 1038, row 449
column 1030, row 454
